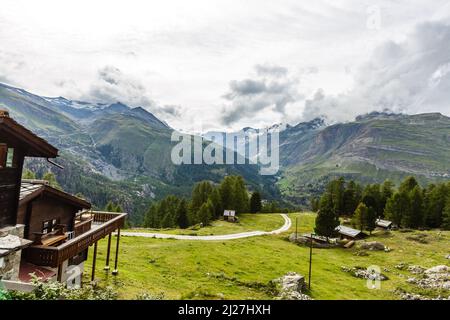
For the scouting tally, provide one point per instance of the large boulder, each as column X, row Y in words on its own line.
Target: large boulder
column 305, row 241
column 292, row 281
column 291, row 286
column 373, row 245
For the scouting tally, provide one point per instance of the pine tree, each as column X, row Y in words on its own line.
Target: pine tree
column 226, row 193
column 396, row 207
column 370, row 221
column 206, row 213
column 327, row 219
column 350, row 198
column 387, row 190
column 216, row 201
column 255, row 202
column 360, row 216
column 240, row 195
column 372, row 198
column 28, row 174
column 182, row 215
column 314, row 204
column 414, row 218
column 200, row 194
column 436, row 200
column 336, row 189
column 110, row 207
column 50, row 177
column 408, row 185
column 150, row 218
column 446, row 215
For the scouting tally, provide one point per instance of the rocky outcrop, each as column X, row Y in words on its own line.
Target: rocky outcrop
column 437, row 277
column 414, row 296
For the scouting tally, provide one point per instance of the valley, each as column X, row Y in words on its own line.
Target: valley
column 119, row 153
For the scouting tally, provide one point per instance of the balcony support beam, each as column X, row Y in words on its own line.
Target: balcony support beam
column 59, row 277
column 108, row 253
column 116, row 271
column 94, row 260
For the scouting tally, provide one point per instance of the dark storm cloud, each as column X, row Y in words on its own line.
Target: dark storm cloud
column 270, row 89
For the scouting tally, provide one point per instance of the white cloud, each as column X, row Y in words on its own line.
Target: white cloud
column 185, row 53
column 410, row 76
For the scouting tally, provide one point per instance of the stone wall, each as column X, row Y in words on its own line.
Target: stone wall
column 10, row 264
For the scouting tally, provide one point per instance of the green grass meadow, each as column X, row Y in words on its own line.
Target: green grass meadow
column 247, row 222
column 242, row 268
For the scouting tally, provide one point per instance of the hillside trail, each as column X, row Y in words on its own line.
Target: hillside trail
column 286, row 226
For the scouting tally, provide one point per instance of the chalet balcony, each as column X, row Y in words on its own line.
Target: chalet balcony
column 90, row 228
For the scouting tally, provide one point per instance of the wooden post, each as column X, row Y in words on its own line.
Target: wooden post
column 310, row 260
column 94, row 260
column 108, row 253
column 296, row 228
column 116, row 271
column 59, row 278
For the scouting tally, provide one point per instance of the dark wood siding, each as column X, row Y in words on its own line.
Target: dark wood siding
column 9, row 189
column 47, row 208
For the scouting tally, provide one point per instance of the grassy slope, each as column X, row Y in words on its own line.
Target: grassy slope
column 247, row 222
column 190, row 269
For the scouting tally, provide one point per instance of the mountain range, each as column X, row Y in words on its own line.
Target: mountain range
column 115, row 152
column 122, row 153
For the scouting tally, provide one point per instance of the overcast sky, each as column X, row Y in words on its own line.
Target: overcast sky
column 229, row 64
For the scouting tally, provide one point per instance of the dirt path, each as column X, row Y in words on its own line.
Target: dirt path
column 284, row 228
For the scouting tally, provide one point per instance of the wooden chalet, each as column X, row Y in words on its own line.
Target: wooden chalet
column 229, row 215
column 384, row 224
column 349, row 233
column 43, row 229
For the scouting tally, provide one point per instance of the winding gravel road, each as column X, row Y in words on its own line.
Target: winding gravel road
column 284, row 228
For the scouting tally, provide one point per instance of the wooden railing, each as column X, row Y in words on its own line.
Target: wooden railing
column 82, row 227
column 54, row 256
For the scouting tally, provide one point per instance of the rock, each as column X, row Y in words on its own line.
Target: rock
column 374, row 245
column 363, row 273
column 293, row 282
column 438, row 269
column 293, row 295
column 360, row 253
column 437, row 277
column 416, row 269
column 447, row 257
column 301, row 240
column 401, row 266
column 291, row 286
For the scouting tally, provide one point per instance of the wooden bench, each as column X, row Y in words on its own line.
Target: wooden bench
column 52, row 238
